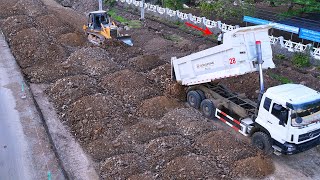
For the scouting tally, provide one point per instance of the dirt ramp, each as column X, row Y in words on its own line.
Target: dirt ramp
column 191, row 166
column 156, row 107
column 122, row 166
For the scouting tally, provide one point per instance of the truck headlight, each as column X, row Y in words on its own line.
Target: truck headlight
column 290, row 147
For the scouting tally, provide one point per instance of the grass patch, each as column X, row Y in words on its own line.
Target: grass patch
column 134, row 24
column 113, row 14
column 173, row 37
column 301, row 60
column 282, row 79
column 280, row 56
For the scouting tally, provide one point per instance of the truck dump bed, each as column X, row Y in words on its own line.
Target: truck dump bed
column 236, row 56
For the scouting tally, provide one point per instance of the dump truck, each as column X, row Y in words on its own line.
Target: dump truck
column 284, row 120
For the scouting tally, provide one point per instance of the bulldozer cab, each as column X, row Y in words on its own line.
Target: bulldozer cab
column 97, row 18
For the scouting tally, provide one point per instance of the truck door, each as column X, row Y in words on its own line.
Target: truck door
column 274, row 118
column 278, row 120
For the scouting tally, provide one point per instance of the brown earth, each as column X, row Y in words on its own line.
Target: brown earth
column 120, row 103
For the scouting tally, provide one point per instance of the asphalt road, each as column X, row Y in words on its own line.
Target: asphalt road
column 25, row 151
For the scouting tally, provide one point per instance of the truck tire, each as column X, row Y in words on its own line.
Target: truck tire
column 262, row 141
column 194, row 99
column 201, row 93
column 208, row 109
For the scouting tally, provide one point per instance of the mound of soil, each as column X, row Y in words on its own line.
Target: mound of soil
column 44, row 73
column 146, row 130
column 122, row 166
column 191, row 167
column 93, row 61
column 188, row 122
column 162, row 150
column 52, row 25
column 143, row 176
column 14, row 24
column 67, row 90
column 132, row 86
column 253, row 167
column 31, row 47
column 8, row 9
column 160, row 75
column 156, row 107
column 88, row 116
column 72, row 39
column 32, row 8
column 146, row 63
column 224, row 147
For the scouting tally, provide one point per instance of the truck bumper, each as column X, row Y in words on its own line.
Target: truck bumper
column 288, row 148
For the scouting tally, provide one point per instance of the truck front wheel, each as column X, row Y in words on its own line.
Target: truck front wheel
column 262, row 141
column 208, row 109
column 194, row 99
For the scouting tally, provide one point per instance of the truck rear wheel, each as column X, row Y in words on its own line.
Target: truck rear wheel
column 262, row 141
column 194, row 99
column 208, row 109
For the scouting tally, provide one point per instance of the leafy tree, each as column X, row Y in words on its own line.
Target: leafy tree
column 305, row 6
column 173, row 4
column 226, row 8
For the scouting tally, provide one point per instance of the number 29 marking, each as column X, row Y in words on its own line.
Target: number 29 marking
column 232, row 61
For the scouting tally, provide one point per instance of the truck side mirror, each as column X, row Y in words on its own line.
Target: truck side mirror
column 283, row 117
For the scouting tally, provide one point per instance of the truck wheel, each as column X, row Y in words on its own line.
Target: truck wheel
column 208, row 109
column 194, row 99
column 262, row 141
column 201, row 93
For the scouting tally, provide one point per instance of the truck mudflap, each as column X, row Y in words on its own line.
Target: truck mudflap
column 230, row 121
column 288, row 148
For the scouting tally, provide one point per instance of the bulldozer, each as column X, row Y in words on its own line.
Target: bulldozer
column 100, row 28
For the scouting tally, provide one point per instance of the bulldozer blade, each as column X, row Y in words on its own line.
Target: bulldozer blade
column 126, row 39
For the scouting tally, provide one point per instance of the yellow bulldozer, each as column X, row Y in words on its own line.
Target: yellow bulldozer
column 100, row 28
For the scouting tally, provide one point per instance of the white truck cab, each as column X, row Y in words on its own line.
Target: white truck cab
column 290, row 114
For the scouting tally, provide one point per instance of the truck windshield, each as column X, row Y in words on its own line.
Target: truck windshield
column 305, row 114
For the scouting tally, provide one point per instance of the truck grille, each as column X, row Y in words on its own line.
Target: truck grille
column 309, row 135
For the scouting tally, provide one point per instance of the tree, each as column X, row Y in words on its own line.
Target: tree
column 226, row 8
column 306, row 6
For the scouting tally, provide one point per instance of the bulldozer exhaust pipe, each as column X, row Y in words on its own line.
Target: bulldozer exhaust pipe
column 260, row 61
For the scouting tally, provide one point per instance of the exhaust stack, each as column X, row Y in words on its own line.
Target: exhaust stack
column 260, row 61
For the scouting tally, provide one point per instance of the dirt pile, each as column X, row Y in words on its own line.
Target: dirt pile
column 156, row 107
column 146, row 63
column 86, row 115
column 122, row 166
column 132, row 86
column 72, row 39
column 162, row 150
column 191, row 166
column 52, row 25
column 253, row 167
column 66, row 90
column 143, row 176
column 188, row 122
column 14, row 24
